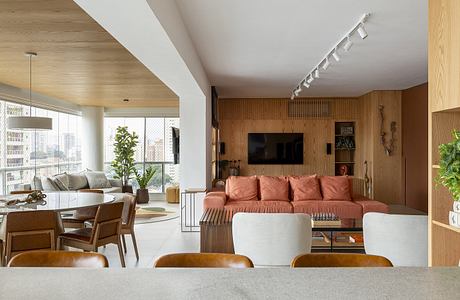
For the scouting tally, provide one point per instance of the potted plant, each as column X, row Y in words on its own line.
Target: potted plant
column 449, row 173
column 142, row 194
column 123, row 164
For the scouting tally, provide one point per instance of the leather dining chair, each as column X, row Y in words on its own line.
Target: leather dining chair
column 128, row 218
column 340, row 260
column 203, row 260
column 105, row 230
column 81, row 215
column 28, row 230
column 271, row 239
column 59, row 259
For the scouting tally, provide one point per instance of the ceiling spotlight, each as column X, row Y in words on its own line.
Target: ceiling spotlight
column 348, row 44
column 326, row 64
column 336, row 55
column 310, row 79
column 292, row 96
column 305, row 84
column 297, row 91
column 316, row 73
column 362, row 32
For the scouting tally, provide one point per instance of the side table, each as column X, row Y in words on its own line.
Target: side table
column 188, row 220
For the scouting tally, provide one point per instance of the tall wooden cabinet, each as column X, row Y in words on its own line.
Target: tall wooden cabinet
column 443, row 117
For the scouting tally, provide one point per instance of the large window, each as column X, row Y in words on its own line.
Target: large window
column 24, row 154
column 154, row 149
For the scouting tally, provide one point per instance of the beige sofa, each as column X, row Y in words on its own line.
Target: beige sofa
column 77, row 181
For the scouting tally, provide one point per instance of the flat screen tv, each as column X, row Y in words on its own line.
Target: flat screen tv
column 275, row 148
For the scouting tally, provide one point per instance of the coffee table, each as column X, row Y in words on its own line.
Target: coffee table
column 216, row 233
column 348, row 225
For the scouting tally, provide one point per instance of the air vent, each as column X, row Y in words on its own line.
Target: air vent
column 304, row 108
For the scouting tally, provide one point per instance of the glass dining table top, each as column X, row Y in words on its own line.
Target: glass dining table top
column 57, row 201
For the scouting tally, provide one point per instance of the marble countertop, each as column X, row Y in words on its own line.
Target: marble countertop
column 338, row 283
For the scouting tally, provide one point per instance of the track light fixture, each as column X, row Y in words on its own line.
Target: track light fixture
column 345, row 42
column 348, row 44
column 336, row 55
column 362, row 32
column 326, row 64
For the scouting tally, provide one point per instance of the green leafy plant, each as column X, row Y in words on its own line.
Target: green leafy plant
column 144, row 179
column 123, row 164
column 449, row 165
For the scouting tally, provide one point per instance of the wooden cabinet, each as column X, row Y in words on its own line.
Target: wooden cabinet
column 444, row 116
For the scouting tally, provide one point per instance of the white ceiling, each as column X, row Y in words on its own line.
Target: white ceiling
column 263, row 48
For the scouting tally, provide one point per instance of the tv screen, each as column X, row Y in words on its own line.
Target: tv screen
column 275, row 148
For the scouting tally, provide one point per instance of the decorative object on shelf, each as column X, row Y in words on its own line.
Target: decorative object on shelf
column 29, row 122
column 449, row 173
column 390, row 147
column 234, row 169
column 345, row 143
column 142, row 193
column 343, row 170
column 347, row 130
column 367, row 182
column 35, row 197
column 124, row 163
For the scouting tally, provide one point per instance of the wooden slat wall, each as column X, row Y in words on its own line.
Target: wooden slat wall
column 238, row 117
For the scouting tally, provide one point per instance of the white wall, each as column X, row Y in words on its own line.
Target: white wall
column 92, row 137
column 153, row 31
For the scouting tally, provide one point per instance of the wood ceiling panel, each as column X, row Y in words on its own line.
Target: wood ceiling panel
column 78, row 61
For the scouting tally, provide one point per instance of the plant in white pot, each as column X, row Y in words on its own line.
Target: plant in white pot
column 142, row 193
column 449, row 174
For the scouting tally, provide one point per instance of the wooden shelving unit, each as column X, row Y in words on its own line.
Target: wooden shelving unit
column 444, row 116
column 345, row 147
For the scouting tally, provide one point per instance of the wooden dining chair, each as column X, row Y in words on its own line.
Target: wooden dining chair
column 23, row 192
column 340, row 260
column 128, row 218
column 81, row 215
column 59, row 259
column 203, row 260
column 106, row 230
column 29, row 230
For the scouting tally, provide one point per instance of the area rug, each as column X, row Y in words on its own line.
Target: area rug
column 152, row 214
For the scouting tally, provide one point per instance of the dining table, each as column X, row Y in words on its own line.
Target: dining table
column 64, row 201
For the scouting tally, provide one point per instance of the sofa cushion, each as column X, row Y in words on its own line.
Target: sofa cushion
column 274, row 188
column 214, row 200
column 77, row 181
column 61, row 181
column 335, row 187
column 305, row 188
column 48, row 184
column 97, row 180
column 242, row 188
column 342, row 209
column 256, row 206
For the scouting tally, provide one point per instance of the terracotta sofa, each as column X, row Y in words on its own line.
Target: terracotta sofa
column 293, row 194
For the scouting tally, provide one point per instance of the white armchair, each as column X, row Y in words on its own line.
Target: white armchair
column 271, row 239
column 403, row 239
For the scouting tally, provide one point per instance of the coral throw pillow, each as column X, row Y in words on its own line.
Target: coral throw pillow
column 305, row 188
column 274, row 188
column 335, row 187
column 242, row 188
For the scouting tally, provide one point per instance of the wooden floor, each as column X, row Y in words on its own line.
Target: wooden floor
column 156, row 239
